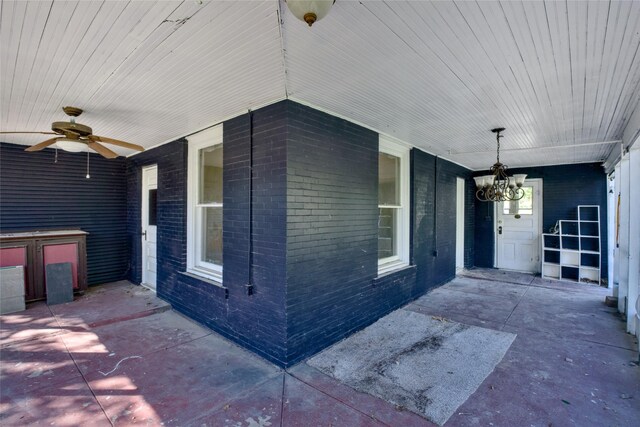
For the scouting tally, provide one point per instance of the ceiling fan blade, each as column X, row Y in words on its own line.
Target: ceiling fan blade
column 42, row 133
column 101, row 149
column 116, row 142
column 42, row 145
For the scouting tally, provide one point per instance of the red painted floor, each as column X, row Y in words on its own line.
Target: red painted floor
column 119, row 356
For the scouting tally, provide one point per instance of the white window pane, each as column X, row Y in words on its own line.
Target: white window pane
column 388, row 180
column 210, row 179
column 387, row 229
column 212, row 235
column 523, row 206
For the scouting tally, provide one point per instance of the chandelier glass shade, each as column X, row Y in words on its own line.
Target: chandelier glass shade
column 498, row 186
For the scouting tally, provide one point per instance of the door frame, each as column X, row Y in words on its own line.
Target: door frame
column 144, row 212
column 460, row 206
column 540, row 229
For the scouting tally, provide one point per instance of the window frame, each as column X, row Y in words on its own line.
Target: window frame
column 196, row 142
column 401, row 231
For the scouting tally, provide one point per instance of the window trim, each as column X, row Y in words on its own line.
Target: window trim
column 401, row 260
column 196, row 142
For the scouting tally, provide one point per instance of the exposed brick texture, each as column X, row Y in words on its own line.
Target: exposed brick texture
column 257, row 321
column 564, row 187
column 314, row 232
column 434, row 193
column 332, row 228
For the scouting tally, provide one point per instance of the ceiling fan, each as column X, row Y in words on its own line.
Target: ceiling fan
column 76, row 137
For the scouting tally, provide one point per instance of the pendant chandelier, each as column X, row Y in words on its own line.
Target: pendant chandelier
column 499, row 187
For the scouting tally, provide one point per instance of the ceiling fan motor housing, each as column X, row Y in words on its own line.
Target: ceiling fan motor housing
column 72, row 111
column 69, row 128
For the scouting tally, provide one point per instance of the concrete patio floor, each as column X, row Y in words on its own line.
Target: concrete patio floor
column 118, row 356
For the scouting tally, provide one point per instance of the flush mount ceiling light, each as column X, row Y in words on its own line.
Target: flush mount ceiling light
column 499, row 187
column 310, row 11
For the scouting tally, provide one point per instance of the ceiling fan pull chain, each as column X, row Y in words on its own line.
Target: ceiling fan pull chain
column 88, row 176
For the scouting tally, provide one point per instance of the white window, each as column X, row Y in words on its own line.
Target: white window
column 204, row 208
column 393, row 206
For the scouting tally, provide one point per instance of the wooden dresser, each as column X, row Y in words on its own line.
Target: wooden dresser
column 36, row 249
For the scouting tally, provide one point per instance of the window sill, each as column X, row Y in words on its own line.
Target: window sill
column 391, row 267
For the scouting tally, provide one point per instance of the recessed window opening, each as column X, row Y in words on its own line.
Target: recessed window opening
column 204, row 253
column 393, row 206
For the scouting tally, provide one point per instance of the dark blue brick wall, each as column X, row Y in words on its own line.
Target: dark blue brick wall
column 314, row 232
column 257, row 321
column 434, row 193
column 332, row 284
column 37, row 193
column 564, row 187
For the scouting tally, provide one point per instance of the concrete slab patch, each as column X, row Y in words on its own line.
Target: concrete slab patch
column 500, row 275
column 260, row 406
column 364, row 403
column 455, row 317
column 444, row 301
column 413, row 361
column 35, row 322
column 487, row 287
column 303, row 405
column 102, row 305
column 568, row 285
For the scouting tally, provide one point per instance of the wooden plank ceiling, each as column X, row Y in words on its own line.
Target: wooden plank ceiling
column 562, row 77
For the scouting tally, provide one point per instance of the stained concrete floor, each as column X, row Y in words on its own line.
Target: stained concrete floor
column 120, row 356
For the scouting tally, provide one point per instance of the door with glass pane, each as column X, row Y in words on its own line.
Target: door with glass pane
column 518, row 230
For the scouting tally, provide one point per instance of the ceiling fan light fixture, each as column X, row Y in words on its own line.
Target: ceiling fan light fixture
column 309, row 11
column 76, row 137
column 71, row 145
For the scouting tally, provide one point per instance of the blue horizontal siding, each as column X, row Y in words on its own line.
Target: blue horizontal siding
column 36, row 193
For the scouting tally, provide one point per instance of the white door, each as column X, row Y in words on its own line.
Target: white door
column 518, row 230
column 149, row 225
column 459, row 225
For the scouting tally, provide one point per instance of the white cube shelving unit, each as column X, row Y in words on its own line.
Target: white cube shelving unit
column 574, row 252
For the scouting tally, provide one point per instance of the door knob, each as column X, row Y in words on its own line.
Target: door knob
column 500, row 230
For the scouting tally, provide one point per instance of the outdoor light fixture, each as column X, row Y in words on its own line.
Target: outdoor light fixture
column 310, row 11
column 499, row 187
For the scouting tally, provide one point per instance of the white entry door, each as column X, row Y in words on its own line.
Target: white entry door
column 518, row 230
column 459, row 225
column 149, row 225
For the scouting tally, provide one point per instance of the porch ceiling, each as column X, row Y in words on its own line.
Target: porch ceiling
column 562, row 77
